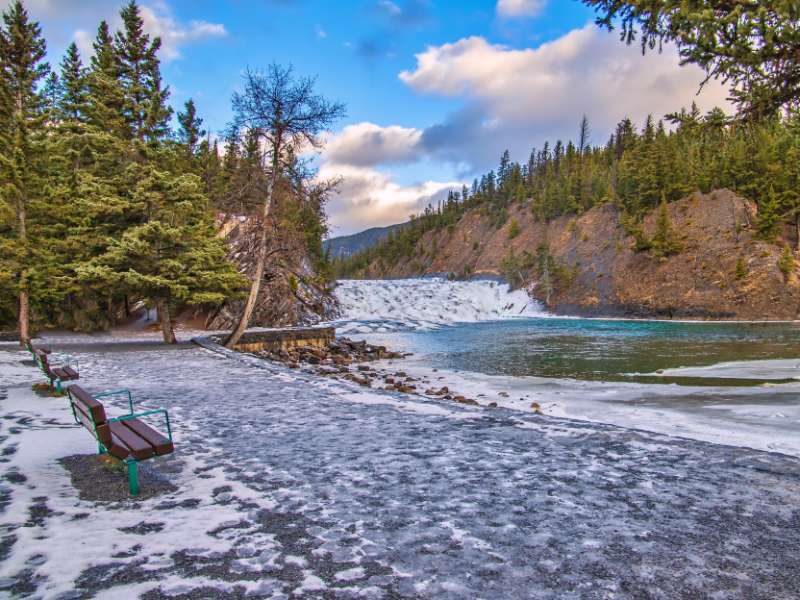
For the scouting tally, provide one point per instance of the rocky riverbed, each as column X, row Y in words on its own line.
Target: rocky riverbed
column 350, row 360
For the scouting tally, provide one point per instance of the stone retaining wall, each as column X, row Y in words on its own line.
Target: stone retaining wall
column 286, row 339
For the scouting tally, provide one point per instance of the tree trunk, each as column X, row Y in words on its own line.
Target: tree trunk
column 797, row 229
column 24, row 294
column 110, row 309
column 166, row 322
column 24, row 331
column 261, row 259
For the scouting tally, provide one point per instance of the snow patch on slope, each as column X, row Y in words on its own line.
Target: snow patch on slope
column 390, row 305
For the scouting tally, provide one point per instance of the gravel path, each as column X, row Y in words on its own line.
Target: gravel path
column 292, row 487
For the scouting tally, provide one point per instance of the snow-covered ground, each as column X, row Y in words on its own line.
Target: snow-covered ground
column 387, row 305
column 763, row 417
column 743, row 369
column 290, row 486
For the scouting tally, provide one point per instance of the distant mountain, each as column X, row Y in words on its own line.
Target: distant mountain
column 347, row 245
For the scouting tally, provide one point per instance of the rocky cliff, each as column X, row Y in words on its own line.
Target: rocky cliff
column 722, row 271
column 293, row 292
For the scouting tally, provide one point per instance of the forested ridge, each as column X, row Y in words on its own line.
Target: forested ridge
column 110, row 198
column 637, row 170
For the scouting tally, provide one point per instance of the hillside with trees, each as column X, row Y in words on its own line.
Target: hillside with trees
column 108, row 202
column 629, row 189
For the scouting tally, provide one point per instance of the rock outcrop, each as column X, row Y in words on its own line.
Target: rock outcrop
column 292, row 292
column 722, row 271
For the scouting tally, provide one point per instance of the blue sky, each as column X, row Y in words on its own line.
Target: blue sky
column 435, row 89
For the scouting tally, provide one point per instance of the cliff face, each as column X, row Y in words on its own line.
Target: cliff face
column 292, row 292
column 721, row 272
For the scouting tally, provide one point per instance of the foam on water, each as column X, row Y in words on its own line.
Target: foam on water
column 390, row 305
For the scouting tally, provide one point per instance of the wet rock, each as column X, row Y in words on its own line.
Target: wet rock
column 469, row 401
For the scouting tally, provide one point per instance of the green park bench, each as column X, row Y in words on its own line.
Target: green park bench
column 58, row 373
column 126, row 438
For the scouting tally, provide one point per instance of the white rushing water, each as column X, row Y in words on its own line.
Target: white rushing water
column 389, row 305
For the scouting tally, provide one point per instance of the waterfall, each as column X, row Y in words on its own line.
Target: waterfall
column 388, row 305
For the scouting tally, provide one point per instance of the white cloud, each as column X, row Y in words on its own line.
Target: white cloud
column 84, row 40
column 367, row 144
column 157, row 16
column 519, row 98
column 369, row 198
column 158, row 21
column 390, row 7
column 47, row 9
column 519, row 8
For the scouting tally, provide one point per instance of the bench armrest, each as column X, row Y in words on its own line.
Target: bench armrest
column 147, row 413
column 117, row 393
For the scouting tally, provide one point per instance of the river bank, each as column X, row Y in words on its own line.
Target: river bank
column 292, row 485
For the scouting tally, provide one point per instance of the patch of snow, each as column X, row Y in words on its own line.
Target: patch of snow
column 745, row 369
column 762, row 417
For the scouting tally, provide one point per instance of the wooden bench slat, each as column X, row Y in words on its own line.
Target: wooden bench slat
column 161, row 445
column 139, row 448
column 83, row 399
column 104, row 435
column 84, row 418
column 72, row 373
column 65, row 373
column 115, row 446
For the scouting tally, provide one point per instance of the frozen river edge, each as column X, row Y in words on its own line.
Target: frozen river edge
column 294, row 487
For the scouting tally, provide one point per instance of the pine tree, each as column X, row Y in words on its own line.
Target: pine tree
column 172, row 257
column 286, row 112
column 22, row 119
column 769, row 216
column 787, row 263
column 106, row 97
column 75, row 93
column 51, row 97
column 144, row 101
column 665, row 241
column 190, row 130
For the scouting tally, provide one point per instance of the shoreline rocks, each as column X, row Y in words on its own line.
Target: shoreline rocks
column 349, row 360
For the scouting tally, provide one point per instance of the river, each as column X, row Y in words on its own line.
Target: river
column 731, row 383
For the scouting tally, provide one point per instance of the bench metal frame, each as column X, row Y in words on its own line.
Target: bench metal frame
column 131, row 464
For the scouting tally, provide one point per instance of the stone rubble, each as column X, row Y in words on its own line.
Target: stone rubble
column 348, row 360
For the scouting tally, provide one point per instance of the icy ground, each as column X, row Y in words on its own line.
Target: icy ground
column 765, row 417
column 293, row 487
column 387, row 305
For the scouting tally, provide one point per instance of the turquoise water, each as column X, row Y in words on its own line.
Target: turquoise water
column 608, row 350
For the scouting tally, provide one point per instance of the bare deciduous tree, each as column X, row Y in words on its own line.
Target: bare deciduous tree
column 284, row 114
